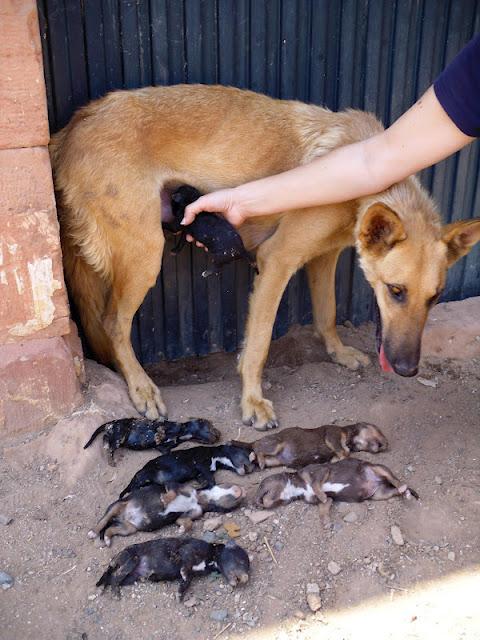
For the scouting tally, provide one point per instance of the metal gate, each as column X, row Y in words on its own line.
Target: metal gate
column 378, row 55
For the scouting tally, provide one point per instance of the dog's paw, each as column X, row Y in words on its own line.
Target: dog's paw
column 147, row 400
column 259, row 413
column 350, row 357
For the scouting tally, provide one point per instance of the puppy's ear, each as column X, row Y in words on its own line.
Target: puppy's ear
column 380, row 229
column 460, row 237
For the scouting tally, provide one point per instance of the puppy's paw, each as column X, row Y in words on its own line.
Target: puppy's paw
column 350, row 357
column 258, row 412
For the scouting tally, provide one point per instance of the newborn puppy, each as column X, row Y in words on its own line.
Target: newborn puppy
column 140, row 434
column 296, row 447
column 197, row 463
column 150, row 508
column 223, row 242
column 348, row 480
column 176, row 559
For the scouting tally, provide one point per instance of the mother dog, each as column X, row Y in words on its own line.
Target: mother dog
column 117, row 162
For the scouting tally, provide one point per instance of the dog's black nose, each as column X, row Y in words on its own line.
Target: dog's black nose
column 405, row 368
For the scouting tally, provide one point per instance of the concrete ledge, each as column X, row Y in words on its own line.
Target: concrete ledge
column 38, row 384
column 453, row 331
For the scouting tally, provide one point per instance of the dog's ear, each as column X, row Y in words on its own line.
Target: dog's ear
column 380, row 229
column 460, row 237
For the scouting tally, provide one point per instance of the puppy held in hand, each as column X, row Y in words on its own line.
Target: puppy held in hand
column 176, row 559
column 150, row 508
column 223, row 242
column 348, row 480
column 197, row 463
column 296, row 447
column 140, row 434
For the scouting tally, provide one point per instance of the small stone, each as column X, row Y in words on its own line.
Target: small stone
column 191, row 602
column 232, row 529
column 334, row 567
column 258, row 516
column 278, row 546
column 427, row 383
column 313, row 596
column 410, row 468
column 211, row 524
column 252, row 536
column 438, row 480
column 350, row 517
column 4, row 520
column 397, row 536
column 299, row 614
column 93, row 596
column 6, row 580
column 451, row 556
column 219, row 615
column 209, row 537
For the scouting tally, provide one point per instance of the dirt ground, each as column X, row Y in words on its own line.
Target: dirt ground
column 427, row 587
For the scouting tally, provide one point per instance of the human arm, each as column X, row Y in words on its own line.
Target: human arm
column 422, row 136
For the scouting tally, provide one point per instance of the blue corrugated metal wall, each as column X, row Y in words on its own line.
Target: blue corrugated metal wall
column 378, row 55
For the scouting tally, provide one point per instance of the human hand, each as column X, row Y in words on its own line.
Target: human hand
column 224, row 202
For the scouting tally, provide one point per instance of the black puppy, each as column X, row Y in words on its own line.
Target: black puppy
column 150, row 508
column 141, row 433
column 197, row 463
column 176, row 559
column 223, row 242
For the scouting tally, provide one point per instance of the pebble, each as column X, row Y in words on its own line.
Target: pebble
column 209, row 537
column 350, row 517
column 313, row 596
column 397, row 536
column 233, row 529
column 451, row 556
column 334, row 567
column 211, row 524
column 438, row 480
column 427, row 383
column 299, row 614
column 219, row 615
column 6, row 580
column 278, row 546
column 4, row 520
column 252, row 536
column 191, row 602
column 258, row 516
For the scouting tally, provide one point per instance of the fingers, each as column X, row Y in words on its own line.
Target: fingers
column 195, row 208
column 199, row 244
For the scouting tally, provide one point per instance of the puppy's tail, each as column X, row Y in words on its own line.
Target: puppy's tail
column 95, row 434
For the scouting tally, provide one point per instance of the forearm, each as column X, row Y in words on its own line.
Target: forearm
column 343, row 174
column 423, row 136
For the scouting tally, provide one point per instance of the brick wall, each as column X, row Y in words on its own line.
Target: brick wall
column 39, row 368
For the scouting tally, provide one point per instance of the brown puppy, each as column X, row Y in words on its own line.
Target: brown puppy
column 296, row 447
column 120, row 158
column 348, row 480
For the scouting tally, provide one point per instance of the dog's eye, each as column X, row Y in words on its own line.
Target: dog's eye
column 397, row 292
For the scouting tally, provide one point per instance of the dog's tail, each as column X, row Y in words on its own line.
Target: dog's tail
column 95, row 434
column 86, row 250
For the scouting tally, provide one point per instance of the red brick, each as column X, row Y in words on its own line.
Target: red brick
column 22, row 85
column 26, row 179
column 38, row 384
column 34, row 301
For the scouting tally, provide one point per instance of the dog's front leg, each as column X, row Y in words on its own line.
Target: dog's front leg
column 275, row 272
column 321, row 278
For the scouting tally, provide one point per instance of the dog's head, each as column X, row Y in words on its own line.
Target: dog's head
column 181, row 198
column 405, row 259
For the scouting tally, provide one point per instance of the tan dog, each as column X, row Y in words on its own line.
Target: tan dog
column 119, row 159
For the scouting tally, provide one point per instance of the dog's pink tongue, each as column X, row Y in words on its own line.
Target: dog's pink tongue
column 384, row 363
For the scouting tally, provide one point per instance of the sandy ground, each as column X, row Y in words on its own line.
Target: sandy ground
column 428, row 587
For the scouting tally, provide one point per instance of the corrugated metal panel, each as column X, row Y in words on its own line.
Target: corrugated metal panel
column 378, row 55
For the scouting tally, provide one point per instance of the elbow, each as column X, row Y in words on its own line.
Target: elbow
column 379, row 165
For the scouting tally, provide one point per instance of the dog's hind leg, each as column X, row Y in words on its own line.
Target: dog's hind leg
column 136, row 264
column 321, row 278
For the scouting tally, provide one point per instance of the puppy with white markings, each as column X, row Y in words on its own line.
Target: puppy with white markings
column 296, row 447
column 151, row 508
column 348, row 480
column 176, row 559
